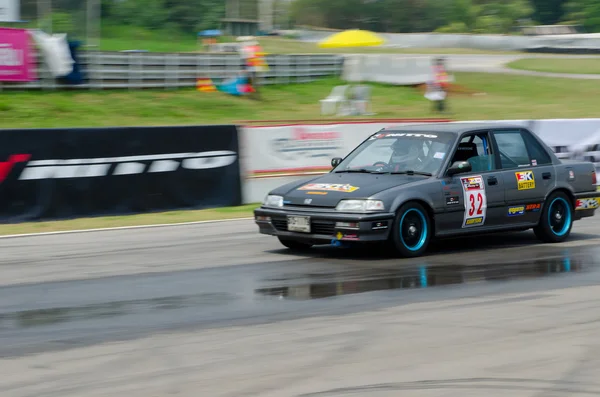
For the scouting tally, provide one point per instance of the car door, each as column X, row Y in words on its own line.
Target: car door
column 474, row 199
column 527, row 172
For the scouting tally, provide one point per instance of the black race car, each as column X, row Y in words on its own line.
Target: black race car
column 411, row 184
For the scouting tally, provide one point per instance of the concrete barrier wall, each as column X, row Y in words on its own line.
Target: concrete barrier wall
column 474, row 41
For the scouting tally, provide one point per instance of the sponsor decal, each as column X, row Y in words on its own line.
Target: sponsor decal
column 533, row 207
column 571, row 175
column 331, row 187
column 534, row 162
column 472, row 183
column 307, row 201
column 516, row 211
column 525, row 180
column 403, row 134
column 474, row 221
column 306, row 144
column 317, row 193
column 452, row 200
column 475, row 201
column 587, row 204
column 342, row 236
column 127, row 165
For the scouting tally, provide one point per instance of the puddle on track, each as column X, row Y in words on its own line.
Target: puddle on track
column 319, row 286
column 52, row 316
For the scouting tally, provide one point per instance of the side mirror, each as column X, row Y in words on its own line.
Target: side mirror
column 336, row 161
column 459, row 167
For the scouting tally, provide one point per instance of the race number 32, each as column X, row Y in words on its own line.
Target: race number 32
column 475, row 201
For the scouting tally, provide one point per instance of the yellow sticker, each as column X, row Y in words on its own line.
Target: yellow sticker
column 331, row 187
column 525, row 180
column 516, row 210
column 318, row 193
column 474, row 221
column 587, row 204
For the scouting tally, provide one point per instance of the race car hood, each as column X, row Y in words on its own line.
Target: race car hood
column 329, row 189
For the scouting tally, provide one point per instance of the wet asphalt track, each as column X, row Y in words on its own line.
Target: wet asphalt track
column 218, row 310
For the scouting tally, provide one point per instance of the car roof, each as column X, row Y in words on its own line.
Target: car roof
column 451, row 127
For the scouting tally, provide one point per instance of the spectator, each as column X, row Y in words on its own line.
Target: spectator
column 437, row 90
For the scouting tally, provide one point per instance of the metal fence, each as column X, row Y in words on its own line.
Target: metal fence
column 133, row 70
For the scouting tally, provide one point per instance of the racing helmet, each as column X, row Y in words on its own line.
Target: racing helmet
column 405, row 151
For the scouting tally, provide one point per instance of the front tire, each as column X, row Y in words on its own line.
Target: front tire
column 556, row 220
column 294, row 244
column 412, row 230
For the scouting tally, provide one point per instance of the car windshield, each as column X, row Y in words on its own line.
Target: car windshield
column 396, row 152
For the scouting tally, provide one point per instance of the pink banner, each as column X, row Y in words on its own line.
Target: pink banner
column 16, row 62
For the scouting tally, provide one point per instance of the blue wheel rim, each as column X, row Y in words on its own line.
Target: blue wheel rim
column 559, row 216
column 420, row 225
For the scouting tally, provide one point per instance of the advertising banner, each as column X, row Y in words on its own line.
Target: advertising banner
column 66, row 173
column 9, row 11
column 302, row 149
column 16, row 61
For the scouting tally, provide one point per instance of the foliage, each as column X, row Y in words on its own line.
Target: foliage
column 452, row 16
column 448, row 16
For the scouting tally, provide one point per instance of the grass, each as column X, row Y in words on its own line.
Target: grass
column 507, row 96
column 559, row 65
column 130, row 220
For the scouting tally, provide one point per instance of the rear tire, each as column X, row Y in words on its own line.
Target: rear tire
column 294, row 244
column 556, row 220
column 412, row 230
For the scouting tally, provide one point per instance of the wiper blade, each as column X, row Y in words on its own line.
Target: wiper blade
column 359, row 170
column 411, row 172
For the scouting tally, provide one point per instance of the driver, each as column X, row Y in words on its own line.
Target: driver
column 405, row 155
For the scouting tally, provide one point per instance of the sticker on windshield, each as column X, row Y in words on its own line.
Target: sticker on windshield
column 475, row 201
column 439, row 155
column 330, row 187
column 403, row 134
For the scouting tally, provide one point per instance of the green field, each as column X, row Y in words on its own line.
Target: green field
column 506, row 97
column 559, row 65
column 171, row 217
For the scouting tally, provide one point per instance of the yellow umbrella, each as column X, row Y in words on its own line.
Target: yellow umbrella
column 352, row 38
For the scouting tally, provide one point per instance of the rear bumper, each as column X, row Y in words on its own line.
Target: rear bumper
column 325, row 226
column 586, row 204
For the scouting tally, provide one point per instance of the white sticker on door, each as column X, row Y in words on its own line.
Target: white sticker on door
column 475, row 201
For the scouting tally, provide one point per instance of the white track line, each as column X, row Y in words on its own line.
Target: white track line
column 107, row 229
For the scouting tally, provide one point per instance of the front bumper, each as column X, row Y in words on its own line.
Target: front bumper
column 586, row 204
column 325, row 225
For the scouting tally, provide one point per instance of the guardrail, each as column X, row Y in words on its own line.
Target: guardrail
column 131, row 70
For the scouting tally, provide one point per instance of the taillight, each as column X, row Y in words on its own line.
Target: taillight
column 594, row 177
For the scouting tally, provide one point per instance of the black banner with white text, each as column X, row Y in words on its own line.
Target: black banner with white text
column 68, row 173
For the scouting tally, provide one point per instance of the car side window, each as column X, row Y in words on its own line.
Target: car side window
column 512, row 149
column 539, row 156
column 476, row 150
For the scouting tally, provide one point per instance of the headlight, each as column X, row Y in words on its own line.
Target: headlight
column 360, row 205
column 273, row 201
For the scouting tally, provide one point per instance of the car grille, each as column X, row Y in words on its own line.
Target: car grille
column 326, row 228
